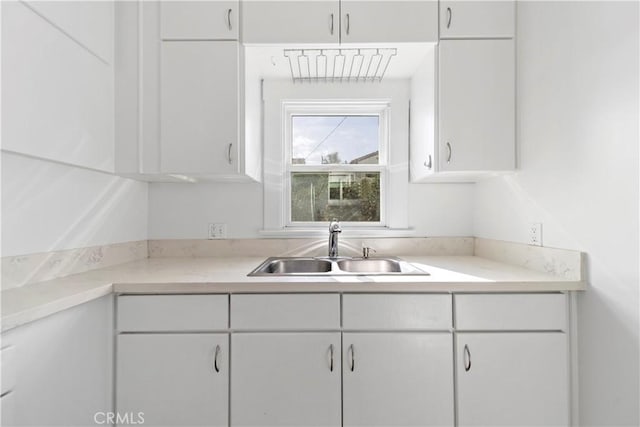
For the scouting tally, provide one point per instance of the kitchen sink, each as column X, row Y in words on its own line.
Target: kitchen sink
column 299, row 266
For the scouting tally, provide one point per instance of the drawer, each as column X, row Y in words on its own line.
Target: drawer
column 396, row 311
column 511, row 312
column 7, row 369
column 285, row 311
column 172, row 312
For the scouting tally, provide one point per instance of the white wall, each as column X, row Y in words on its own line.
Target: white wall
column 578, row 83
column 48, row 206
column 182, row 211
column 58, row 104
column 57, row 81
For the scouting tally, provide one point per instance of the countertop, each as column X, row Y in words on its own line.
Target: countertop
column 229, row 275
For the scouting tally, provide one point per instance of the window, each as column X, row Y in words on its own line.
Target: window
column 335, row 162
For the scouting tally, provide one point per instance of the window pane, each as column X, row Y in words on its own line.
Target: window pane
column 334, row 139
column 347, row 196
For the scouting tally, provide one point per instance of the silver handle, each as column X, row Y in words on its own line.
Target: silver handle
column 215, row 359
column 467, row 358
column 428, row 165
column 353, row 357
column 449, row 152
column 331, row 24
column 229, row 153
column 347, row 19
column 331, row 358
column 449, row 16
column 229, row 19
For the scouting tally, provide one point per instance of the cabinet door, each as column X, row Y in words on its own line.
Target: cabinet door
column 199, row 20
column 174, row 379
column 398, row 379
column 477, row 19
column 285, row 379
column 389, row 21
column 512, row 379
column 476, row 105
column 302, row 21
column 199, row 107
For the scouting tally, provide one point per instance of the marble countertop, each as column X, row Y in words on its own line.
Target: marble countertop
column 229, row 275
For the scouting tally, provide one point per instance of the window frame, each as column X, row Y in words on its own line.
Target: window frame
column 379, row 108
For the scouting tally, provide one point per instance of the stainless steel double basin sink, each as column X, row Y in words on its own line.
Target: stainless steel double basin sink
column 301, row 266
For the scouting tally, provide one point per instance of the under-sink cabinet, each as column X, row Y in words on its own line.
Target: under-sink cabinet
column 352, row 359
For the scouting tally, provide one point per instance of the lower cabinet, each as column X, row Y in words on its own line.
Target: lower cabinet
column 397, row 379
column 286, row 379
column 369, row 360
column 173, row 379
column 512, row 379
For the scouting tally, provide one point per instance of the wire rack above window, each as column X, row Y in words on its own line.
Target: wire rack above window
column 339, row 65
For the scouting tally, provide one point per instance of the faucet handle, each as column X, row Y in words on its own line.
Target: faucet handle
column 366, row 250
column 334, row 226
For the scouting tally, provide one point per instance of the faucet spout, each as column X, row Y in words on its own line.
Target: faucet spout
column 334, row 229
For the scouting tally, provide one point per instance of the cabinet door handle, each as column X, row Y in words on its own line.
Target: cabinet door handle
column 449, row 16
column 353, row 357
column 229, row 153
column 449, row 152
column 331, row 24
column 467, row 358
column 215, row 359
column 229, row 19
column 347, row 27
column 331, row 358
column 428, row 164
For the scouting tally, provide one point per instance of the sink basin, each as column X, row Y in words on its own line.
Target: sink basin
column 292, row 266
column 295, row 266
column 370, row 265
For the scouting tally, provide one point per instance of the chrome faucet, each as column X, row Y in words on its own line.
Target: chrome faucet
column 334, row 229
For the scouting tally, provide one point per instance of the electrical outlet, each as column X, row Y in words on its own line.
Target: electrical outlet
column 535, row 233
column 217, row 231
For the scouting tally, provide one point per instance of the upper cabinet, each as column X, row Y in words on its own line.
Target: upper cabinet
column 199, row 107
column 268, row 22
column 199, row 20
column 388, row 21
column 476, row 105
column 346, row 21
column 477, row 19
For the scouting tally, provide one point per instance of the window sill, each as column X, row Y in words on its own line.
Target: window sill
column 347, row 232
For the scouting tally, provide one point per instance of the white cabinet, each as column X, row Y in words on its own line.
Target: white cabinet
column 281, row 379
column 199, row 20
column 290, row 22
column 199, row 107
column 174, row 379
column 512, row 379
column 346, row 21
column 399, row 378
column 476, row 106
column 477, row 19
column 388, row 21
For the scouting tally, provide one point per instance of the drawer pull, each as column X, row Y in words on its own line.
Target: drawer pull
column 467, row 358
column 229, row 153
column 449, row 152
column 229, row 19
column 449, row 16
column 331, row 358
column 215, row 359
column 353, row 357
column 331, row 24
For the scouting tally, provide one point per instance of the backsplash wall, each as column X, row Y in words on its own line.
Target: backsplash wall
column 183, row 211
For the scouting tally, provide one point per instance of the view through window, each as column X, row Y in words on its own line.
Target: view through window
column 335, row 168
